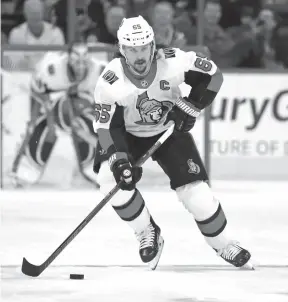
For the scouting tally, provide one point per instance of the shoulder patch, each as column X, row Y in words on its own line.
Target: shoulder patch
column 51, row 69
column 169, row 52
column 110, row 77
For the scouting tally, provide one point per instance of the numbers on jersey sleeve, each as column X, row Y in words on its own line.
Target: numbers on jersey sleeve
column 203, row 63
column 102, row 112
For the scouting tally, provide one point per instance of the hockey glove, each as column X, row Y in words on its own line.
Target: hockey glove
column 183, row 121
column 123, row 171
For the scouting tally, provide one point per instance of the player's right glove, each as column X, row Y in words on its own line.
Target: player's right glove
column 123, row 171
column 183, row 121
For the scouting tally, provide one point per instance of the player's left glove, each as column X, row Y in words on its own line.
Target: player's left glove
column 124, row 173
column 183, row 121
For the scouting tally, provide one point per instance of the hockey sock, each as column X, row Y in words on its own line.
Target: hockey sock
column 134, row 212
column 213, row 229
column 199, row 200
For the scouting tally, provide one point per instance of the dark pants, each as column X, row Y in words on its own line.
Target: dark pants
column 178, row 157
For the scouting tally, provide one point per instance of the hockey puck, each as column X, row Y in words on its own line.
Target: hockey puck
column 76, row 276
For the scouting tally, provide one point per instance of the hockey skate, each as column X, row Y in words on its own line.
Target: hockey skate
column 151, row 244
column 234, row 254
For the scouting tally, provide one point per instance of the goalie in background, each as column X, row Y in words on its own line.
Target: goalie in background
column 61, row 93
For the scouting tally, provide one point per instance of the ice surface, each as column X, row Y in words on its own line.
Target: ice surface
column 35, row 222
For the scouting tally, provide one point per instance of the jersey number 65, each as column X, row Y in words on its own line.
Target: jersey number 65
column 102, row 112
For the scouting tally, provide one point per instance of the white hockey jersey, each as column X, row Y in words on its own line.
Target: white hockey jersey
column 145, row 103
column 51, row 75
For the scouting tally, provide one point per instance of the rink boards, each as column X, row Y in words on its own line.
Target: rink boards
column 248, row 129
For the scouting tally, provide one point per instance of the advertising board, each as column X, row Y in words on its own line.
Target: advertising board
column 249, row 123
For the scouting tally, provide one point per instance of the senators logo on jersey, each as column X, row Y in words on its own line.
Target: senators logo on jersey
column 151, row 111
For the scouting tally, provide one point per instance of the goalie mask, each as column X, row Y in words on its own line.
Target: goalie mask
column 78, row 61
column 137, row 44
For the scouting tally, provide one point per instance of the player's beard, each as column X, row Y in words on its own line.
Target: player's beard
column 140, row 66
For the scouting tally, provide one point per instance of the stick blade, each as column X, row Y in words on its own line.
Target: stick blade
column 30, row 269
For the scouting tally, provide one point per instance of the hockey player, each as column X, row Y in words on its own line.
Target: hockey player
column 135, row 97
column 61, row 94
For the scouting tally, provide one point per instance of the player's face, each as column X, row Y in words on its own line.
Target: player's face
column 162, row 14
column 81, row 68
column 138, row 56
column 79, row 63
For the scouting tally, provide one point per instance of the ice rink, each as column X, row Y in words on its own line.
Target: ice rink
column 34, row 223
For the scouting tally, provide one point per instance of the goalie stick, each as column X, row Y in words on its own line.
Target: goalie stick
column 32, row 270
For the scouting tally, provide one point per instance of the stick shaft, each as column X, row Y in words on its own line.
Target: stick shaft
column 34, row 270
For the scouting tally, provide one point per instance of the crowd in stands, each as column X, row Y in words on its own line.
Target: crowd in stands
column 238, row 33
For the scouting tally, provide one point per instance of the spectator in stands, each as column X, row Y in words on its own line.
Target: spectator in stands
column 49, row 11
column 109, row 3
column 106, row 4
column 162, row 22
column 280, row 40
column 225, row 50
column 249, row 31
column 185, row 21
column 85, row 27
column 231, row 11
column 113, row 18
column 123, row 3
column 141, row 7
column 89, row 13
column 35, row 30
column 267, row 22
column 215, row 38
column 267, row 19
column 230, row 15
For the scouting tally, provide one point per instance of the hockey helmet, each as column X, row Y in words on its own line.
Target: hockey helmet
column 134, row 32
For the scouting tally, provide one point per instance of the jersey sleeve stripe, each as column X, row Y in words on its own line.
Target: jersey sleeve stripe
column 111, row 136
column 216, row 81
column 105, row 139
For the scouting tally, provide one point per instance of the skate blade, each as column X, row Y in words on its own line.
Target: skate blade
column 248, row 266
column 153, row 264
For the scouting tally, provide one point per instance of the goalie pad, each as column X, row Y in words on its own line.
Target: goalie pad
column 85, row 144
column 33, row 154
column 82, row 119
column 82, row 107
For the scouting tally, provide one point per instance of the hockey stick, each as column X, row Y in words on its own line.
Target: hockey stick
column 32, row 270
